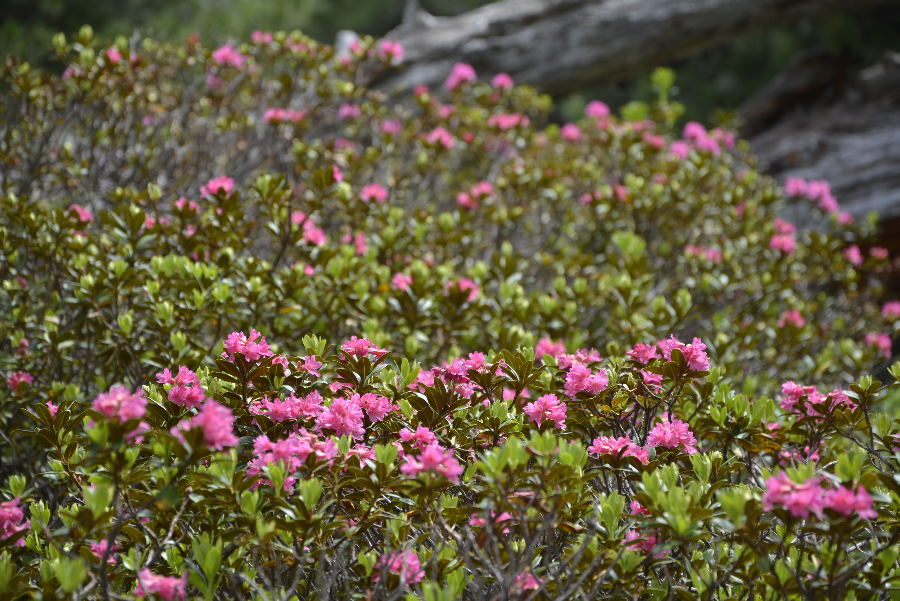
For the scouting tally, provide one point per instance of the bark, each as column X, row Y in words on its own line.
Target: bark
column 563, row 45
column 853, row 142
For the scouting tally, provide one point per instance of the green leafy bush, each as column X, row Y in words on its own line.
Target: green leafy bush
column 155, row 198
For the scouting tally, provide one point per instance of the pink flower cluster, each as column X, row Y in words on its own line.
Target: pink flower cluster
column 547, row 408
column 17, row 379
column 440, row 137
column 817, row 191
column 120, row 404
column 280, row 115
column 580, row 378
column 810, row 498
column 546, row 346
column 402, row 281
column 342, row 416
column 217, row 423
column 362, row 347
column 891, row 310
column 526, row 581
column 228, row 55
column 460, row 73
column 502, row 81
column 496, row 519
column 792, row 318
column 405, row 564
column 11, row 516
column 391, row 52
column 81, row 213
column 465, row 285
column 694, row 353
column 422, row 438
column 606, row 445
column 455, row 374
column 880, row 342
column 292, row 452
column 473, row 197
column 507, row 121
column 792, row 395
column 186, row 390
column 706, row 141
column 673, row 434
column 167, row 587
column 783, row 238
column 433, row 458
column 217, row 185
column 251, row 347
column 374, row 191
column 710, row 254
column 596, row 110
column 291, row 407
column 311, row 232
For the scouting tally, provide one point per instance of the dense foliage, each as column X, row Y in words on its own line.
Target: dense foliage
column 154, row 198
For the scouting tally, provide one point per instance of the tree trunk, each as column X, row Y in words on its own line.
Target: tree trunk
column 563, row 45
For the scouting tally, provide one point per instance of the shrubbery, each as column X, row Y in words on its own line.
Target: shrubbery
column 155, row 198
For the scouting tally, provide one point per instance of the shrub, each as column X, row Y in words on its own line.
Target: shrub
column 156, row 197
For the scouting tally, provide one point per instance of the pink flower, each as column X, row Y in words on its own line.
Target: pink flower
column 433, row 458
column 349, row 111
column 217, row 423
column 478, row 521
column 168, row 588
column 391, row 127
column 51, row 408
column 881, row 342
column 361, row 347
column 545, row 346
column 784, row 243
column 596, row 110
column 186, row 390
column 461, row 73
column 507, row 121
column 502, row 81
column 638, row 509
column 580, row 378
column 120, row 403
column 82, row 213
column 440, row 137
column 795, row 186
column 463, row 285
column 113, row 55
column 792, row 318
column 405, row 563
column 879, row 252
column 844, row 218
column 252, row 347
column 17, row 379
column 343, row 416
column 801, row 500
column 291, row 407
column 783, row 227
column 421, row 438
column 374, row 191
column 672, row 434
column 218, row 185
column 261, row 37
column 549, row 408
column 401, row 281
column 635, row 542
column 291, row 452
column 643, row 353
column 526, row 581
column 605, row 445
column 891, row 310
column 11, row 516
column 694, row 354
column 652, row 380
column 680, row 149
column 376, row 406
column 227, row 55
column 854, row 256
column 98, row 550
column 570, row 132
column 391, row 52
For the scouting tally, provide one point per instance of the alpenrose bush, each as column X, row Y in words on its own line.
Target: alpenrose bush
column 342, row 472
column 154, row 198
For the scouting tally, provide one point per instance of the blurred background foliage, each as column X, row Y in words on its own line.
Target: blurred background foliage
column 710, row 84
